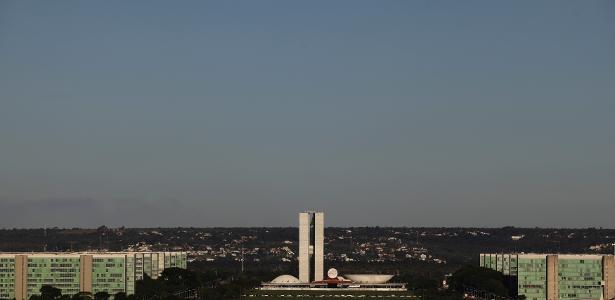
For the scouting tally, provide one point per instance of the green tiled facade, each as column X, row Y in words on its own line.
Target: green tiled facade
column 109, row 274
column 60, row 272
column 532, row 277
column 557, row 277
column 580, row 278
column 7, row 278
column 81, row 272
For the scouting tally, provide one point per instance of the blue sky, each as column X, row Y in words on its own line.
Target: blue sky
column 416, row 113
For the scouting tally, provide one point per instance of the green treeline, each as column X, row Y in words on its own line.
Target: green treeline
column 177, row 284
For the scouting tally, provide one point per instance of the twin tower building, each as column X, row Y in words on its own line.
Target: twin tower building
column 311, row 246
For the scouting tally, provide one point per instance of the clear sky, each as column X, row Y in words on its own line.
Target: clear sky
column 242, row 113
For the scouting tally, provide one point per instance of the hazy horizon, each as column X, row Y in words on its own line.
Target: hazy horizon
column 297, row 226
column 220, row 114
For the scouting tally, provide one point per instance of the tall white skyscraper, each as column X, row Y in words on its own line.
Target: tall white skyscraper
column 311, row 246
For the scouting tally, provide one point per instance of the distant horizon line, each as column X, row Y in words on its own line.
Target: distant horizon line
column 278, row 227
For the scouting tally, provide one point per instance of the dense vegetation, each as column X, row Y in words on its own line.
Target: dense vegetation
column 487, row 280
column 176, row 284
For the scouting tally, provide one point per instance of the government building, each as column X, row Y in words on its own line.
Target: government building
column 557, row 276
column 23, row 274
column 312, row 272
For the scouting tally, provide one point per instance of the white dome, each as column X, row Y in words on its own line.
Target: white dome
column 285, row 279
column 369, row 278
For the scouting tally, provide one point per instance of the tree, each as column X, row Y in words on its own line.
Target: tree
column 101, row 296
column 120, row 296
column 480, row 278
column 49, row 292
column 176, row 279
column 148, row 288
column 82, row 296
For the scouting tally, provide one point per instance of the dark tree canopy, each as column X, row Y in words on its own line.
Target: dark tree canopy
column 50, row 292
column 480, row 278
column 101, row 296
column 82, row 296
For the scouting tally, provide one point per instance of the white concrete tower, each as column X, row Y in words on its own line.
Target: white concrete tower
column 311, row 246
column 319, row 245
column 304, row 247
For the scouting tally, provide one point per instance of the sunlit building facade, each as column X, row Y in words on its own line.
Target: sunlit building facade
column 311, row 246
column 23, row 274
column 557, row 276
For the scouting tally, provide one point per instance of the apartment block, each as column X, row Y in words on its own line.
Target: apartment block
column 557, row 276
column 23, row 274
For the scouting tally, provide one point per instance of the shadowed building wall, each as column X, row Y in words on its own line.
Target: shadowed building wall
column 319, row 245
column 552, row 288
column 85, row 273
column 608, row 274
column 21, row 277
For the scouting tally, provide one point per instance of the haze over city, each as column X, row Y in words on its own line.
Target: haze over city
column 379, row 113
